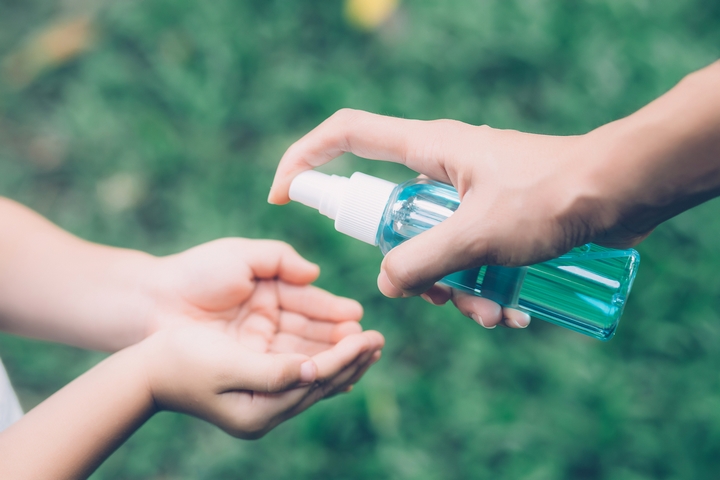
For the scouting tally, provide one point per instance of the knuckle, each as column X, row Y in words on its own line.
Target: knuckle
column 229, row 244
column 277, row 246
column 447, row 123
column 483, row 129
column 344, row 115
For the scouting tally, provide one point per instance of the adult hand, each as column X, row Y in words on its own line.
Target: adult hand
column 528, row 198
column 509, row 182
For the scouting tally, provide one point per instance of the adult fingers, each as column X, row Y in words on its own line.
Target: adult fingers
column 488, row 313
column 420, row 145
column 414, row 266
column 485, row 312
column 437, row 294
column 515, row 318
column 318, row 304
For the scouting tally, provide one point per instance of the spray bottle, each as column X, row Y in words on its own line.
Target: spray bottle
column 584, row 290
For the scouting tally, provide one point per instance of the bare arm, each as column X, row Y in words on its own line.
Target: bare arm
column 55, row 286
column 194, row 370
column 71, row 433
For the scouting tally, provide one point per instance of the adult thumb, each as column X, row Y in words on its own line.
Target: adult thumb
column 413, row 267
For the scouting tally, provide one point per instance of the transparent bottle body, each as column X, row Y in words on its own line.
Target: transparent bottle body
column 584, row 290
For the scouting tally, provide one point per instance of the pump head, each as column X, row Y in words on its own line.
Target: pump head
column 357, row 204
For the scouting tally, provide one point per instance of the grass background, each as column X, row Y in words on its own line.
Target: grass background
column 157, row 125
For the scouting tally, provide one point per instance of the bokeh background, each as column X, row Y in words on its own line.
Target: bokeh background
column 157, row 125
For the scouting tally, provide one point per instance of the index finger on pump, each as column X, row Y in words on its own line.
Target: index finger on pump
column 420, row 145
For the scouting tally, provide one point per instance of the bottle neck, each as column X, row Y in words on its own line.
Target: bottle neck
column 362, row 206
column 415, row 206
column 357, row 204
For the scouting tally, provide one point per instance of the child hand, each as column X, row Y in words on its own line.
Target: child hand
column 233, row 333
column 207, row 373
column 241, row 339
column 256, row 291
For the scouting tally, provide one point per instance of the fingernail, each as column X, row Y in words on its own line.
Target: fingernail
column 479, row 320
column 308, row 371
column 427, row 298
column 386, row 286
column 522, row 322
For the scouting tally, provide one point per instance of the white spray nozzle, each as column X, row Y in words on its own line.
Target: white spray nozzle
column 357, row 204
column 319, row 191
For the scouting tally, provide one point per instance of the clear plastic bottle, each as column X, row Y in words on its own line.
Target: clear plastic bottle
column 584, row 290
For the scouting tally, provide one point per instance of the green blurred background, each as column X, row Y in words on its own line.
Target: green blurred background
column 158, row 124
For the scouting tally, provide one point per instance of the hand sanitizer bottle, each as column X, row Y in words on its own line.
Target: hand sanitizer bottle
column 584, row 290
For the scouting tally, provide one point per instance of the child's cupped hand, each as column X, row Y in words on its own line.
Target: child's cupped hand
column 257, row 291
column 207, row 373
column 239, row 337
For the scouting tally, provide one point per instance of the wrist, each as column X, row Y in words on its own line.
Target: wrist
column 661, row 160
column 153, row 362
column 133, row 362
column 131, row 277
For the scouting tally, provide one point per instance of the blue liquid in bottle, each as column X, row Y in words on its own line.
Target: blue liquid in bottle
column 584, row 290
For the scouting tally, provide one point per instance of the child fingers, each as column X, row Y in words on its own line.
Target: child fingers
column 274, row 259
column 340, row 383
column 345, row 385
column 269, row 409
column 316, row 330
column 318, row 304
column 331, row 362
column 290, row 343
column 262, row 372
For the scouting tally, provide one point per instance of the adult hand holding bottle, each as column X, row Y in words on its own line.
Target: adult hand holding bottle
column 528, row 198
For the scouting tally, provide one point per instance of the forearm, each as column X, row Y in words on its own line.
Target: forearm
column 665, row 158
column 57, row 287
column 72, row 432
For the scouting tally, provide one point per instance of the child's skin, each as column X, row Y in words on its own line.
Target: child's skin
column 230, row 331
column 527, row 198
